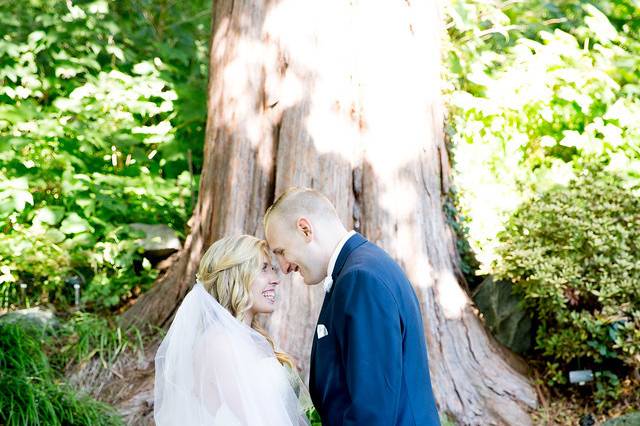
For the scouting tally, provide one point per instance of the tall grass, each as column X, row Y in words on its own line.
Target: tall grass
column 33, row 393
column 84, row 336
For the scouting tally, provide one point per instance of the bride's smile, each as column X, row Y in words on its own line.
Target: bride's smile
column 264, row 289
column 270, row 295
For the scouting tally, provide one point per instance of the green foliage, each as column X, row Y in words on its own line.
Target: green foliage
column 459, row 224
column 32, row 392
column 84, row 336
column 446, row 421
column 537, row 90
column 102, row 110
column 574, row 255
column 314, row 417
column 608, row 388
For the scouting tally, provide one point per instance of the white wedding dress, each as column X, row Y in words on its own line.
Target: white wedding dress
column 278, row 385
column 213, row 370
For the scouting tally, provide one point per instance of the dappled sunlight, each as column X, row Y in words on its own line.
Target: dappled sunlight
column 410, row 242
column 320, row 68
column 398, row 87
column 245, row 57
column 451, row 297
column 353, row 96
column 372, row 103
column 328, row 81
column 402, row 201
column 400, row 94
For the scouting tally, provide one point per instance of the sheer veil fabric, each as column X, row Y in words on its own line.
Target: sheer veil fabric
column 214, row 370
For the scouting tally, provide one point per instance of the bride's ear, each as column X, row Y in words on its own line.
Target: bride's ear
column 304, row 226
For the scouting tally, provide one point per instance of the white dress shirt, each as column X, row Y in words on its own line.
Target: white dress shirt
column 328, row 281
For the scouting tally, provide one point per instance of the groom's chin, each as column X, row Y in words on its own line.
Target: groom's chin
column 311, row 281
column 314, row 282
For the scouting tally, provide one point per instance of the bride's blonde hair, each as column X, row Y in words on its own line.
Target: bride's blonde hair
column 227, row 271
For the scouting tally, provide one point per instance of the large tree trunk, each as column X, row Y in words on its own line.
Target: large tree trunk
column 342, row 97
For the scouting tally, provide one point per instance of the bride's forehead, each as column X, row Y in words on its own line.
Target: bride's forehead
column 266, row 256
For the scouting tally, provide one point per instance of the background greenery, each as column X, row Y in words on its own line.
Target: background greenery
column 32, row 358
column 537, row 90
column 102, row 110
column 576, row 264
column 544, row 132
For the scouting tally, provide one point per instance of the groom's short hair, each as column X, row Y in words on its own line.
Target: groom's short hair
column 296, row 202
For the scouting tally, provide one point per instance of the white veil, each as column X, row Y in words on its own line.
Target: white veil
column 211, row 369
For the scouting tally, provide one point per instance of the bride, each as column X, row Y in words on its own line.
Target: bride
column 217, row 366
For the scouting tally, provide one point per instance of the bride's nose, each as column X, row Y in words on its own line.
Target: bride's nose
column 275, row 280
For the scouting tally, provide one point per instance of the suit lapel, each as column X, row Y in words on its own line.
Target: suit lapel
column 352, row 243
column 312, row 365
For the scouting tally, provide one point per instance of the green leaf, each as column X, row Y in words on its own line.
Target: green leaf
column 55, row 236
column 74, row 224
column 83, row 239
column 51, row 215
column 146, row 265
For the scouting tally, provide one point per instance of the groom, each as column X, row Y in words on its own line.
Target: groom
column 369, row 362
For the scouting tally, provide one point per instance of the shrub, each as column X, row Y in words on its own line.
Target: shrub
column 574, row 255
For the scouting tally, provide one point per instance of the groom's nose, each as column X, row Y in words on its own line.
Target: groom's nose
column 285, row 266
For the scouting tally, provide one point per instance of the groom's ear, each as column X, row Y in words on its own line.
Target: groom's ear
column 303, row 225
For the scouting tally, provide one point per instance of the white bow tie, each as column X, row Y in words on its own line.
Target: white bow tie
column 327, row 283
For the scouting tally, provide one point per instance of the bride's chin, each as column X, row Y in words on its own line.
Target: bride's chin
column 268, row 311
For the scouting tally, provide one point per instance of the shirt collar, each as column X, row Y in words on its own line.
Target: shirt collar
column 328, row 281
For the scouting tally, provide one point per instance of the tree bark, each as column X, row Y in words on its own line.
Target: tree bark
column 343, row 97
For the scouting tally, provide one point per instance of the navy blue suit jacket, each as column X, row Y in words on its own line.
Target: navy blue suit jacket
column 371, row 368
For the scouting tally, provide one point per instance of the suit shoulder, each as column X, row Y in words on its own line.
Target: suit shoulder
column 371, row 260
column 359, row 278
column 372, row 255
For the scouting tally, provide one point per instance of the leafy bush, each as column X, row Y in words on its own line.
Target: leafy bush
column 102, row 110
column 536, row 90
column 574, row 255
column 32, row 392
